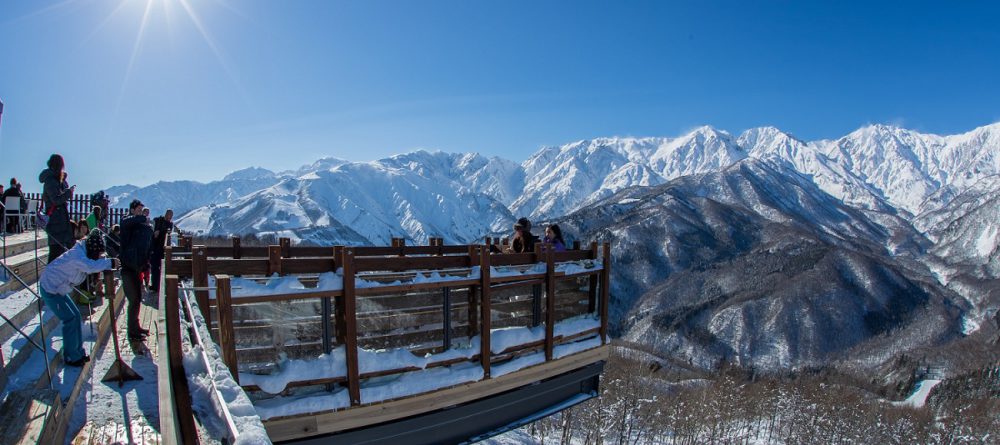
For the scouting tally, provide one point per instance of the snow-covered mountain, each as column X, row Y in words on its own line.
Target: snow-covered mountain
column 877, row 168
column 184, row 196
column 752, row 249
column 755, row 265
column 416, row 195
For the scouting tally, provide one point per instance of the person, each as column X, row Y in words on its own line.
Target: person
column 136, row 238
column 13, row 225
column 58, row 279
column 56, row 192
column 523, row 241
column 553, row 236
column 114, row 241
column 96, row 218
column 162, row 225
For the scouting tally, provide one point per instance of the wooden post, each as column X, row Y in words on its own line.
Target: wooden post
column 286, row 247
column 446, row 321
column 402, row 245
column 187, row 242
column 227, row 337
column 576, row 245
column 473, row 327
column 351, row 330
column 605, row 292
column 168, row 260
column 592, row 290
column 505, row 243
column 485, row 313
column 273, row 260
column 236, row 248
column 178, row 379
column 199, row 275
column 550, row 301
column 340, row 333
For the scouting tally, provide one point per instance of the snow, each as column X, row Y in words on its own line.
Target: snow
column 334, row 364
column 407, row 383
column 919, row 396
column 969, row 326
column 208, row 384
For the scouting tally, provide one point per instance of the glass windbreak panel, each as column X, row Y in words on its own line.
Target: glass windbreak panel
column 266, row 333
column 412, row 319
column 572, row 297
column 516, row 306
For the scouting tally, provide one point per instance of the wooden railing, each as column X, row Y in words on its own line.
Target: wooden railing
column 390, row 311
column 79, row 207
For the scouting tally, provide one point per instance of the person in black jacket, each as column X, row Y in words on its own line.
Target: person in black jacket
column 136, row 240
column 15, row 191
column 56, row 192
column 162, row 225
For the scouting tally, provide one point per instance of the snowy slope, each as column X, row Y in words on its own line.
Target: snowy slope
column 412, row 196
column 756, row 265
column 183, row 196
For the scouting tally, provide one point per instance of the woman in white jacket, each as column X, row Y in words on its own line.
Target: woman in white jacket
column 57, row 282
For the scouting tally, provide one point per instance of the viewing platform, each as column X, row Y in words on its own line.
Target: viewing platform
column 399, row 344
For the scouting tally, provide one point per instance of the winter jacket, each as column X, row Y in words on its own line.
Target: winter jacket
column 161, row 228
column 136, row 242
column 15, row 191
column 55, row 194
column 525, row 243
column 556, row 244
column 70, row 269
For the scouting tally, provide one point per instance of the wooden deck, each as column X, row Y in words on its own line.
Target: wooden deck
column 143, row 425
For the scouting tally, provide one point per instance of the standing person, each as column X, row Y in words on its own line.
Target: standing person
column 56, row 192
column 22, row 205
column 58, row 279
column 162, row 225
column 553, row 236
column 136, row 237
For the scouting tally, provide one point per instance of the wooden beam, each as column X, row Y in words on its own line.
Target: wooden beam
column 236, row 248
column 227, row 337
column 199, row 274
column 351, row 329
column 329, row 422
column 273, row 260
column 286, row 247
column 592, row 289
column 485, row 314
column 550, row 302
column 179, row 393
column 605, row 291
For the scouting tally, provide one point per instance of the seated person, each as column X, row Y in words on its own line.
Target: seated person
column 523, row 241
column 553, row 236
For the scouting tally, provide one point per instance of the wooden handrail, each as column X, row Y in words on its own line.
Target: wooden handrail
column 281, row 260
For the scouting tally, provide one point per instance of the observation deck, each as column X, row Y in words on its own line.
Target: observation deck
column 398, row 344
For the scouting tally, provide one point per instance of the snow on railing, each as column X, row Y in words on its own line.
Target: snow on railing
column 222, row 405
column 339, row 282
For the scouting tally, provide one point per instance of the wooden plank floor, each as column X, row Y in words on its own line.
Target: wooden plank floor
column 139, row 430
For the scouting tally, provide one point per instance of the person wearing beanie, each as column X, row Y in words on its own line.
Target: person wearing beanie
column 57, row 282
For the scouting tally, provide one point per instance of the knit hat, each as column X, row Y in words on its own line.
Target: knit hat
column 95, row 244
column 523, row 223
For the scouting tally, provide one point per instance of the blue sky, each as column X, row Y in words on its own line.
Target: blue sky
column 213, row 86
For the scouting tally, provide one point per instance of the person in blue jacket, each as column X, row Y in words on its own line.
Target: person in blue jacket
column 57, row 282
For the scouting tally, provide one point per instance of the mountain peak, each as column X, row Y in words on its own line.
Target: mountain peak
column 249, row 173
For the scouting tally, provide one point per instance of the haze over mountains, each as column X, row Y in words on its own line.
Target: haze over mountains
column 757, row 249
